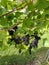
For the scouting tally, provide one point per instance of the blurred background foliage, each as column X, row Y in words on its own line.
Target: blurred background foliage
column 29, row 16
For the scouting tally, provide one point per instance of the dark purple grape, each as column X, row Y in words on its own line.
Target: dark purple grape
column 34, row 43
column 11, row 39
column 35, row 33
column 20, row 50
column 17, row 40
column 26, row 39
column 11, row 32
column 15, row 28
column 37, row 38
column 29, row 51
column 26, row 43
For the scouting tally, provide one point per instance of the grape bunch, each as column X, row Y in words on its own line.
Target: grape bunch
column 17, row 41
column 11, row 31
column 34, row 43
column 26, row 39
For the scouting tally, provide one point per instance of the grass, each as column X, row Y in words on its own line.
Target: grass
column 11, row 55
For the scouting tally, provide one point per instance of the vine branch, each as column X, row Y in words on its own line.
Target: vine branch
column 19, row 8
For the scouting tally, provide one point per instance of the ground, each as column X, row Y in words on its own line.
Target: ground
column 40, row 56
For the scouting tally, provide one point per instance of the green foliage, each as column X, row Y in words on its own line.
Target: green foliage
column 30, row 6
column 42, row 4
column 28, row 16
column 27, row 22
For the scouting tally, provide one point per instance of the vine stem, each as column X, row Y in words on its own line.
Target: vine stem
column 15, row 9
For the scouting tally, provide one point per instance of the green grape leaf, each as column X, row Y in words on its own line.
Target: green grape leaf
column 10, row 17
column 42, row 4
column 2, row 10
column 30, row 6
column 27, row 22
column 4, row 3
column 17, row 14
